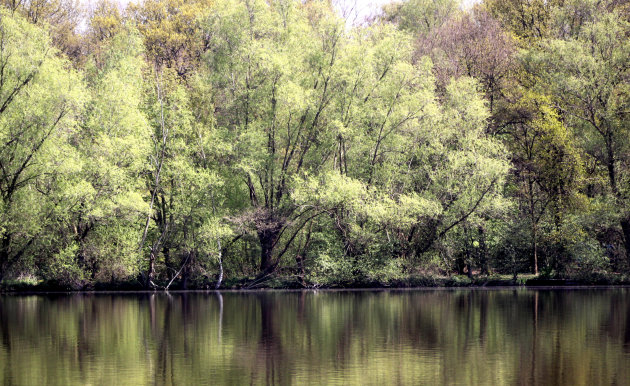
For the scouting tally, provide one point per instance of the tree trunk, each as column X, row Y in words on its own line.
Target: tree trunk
column 151, row 271
column 170, row 267
column 187, row 266
column 483, row 250
column 469, row 262
column 267, row 238
column 625, row 227
column 460, row 265
column 299, row 257
column 610, row 164
column 532, row 215
column 428, row 237
column 4, row 255
column 220, row 278
column 535, row 248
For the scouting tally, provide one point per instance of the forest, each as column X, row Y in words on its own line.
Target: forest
column 242, row 143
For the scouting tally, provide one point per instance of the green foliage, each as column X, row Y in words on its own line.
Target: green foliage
column 171, row 31
column 228, row 139
column 586, row 73
column 527, row 19
column 106, row 194
column 65, row 269
column 420, row 16
column 39, row 102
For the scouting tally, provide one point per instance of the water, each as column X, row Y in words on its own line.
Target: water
column 564, row 337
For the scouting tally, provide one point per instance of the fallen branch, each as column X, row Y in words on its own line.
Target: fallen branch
column 178, row 272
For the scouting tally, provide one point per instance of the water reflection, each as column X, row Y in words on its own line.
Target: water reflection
column 578, row 337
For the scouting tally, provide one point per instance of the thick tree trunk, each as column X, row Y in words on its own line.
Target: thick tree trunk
column 460, row 265
column 267, row 238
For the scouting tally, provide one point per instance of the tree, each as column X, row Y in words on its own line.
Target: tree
column 420, row 16
column 104, row 21
column 171, row 31
column 61, row 17
column 449, row 172
column 588, row 77
column 472, row 44
column 184, row 223
column 39, row 101
column 527, row 19
column 166, row 110
column 548, row 168
column 106, row 199
column 274, row 73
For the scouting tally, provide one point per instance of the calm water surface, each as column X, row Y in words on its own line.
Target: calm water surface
column 564, row 337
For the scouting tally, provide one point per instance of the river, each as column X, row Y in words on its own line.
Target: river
column 407, row 337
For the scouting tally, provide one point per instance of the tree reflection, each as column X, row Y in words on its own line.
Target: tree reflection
column 410, row 337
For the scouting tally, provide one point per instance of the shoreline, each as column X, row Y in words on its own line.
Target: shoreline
column 435, row 283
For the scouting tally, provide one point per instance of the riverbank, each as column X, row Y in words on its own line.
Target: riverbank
column 279, row 282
